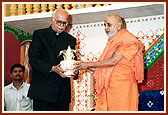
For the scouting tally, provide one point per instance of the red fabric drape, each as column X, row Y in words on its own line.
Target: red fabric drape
column 11, row 54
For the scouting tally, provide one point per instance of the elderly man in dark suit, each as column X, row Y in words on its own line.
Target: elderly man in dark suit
column 50, row 89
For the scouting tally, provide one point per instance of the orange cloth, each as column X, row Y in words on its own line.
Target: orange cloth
column 116, row 86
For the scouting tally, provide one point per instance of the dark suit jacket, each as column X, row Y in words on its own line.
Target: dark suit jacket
column 43, row 54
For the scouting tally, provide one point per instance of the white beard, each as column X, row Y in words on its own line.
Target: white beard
column 110, row 35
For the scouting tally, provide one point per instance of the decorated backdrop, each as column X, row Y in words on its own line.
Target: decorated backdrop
column 91, row 40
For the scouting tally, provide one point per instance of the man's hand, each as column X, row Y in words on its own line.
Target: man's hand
column 81, row 65
column 58, row 70
column 75, row 72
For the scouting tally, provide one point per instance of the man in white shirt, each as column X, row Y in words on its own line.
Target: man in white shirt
column 15, row 94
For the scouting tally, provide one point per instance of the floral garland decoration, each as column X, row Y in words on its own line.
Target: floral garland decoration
column 22, row 36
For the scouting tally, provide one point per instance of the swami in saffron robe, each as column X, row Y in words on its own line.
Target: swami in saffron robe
column 116, row 86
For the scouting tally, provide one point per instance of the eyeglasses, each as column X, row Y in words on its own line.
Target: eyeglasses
column 60, row 22
column 108, row 25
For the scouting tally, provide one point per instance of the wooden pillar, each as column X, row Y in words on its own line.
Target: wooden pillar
column 82, row 6
column 59, row 6
column 66, row 6
column 22, row 54
column 13, row 9
column 29, row 8
column 36, row 8
column 74, row 6
column 51, row 7
column 6, row 9
column 21, row 9
column 43, row 8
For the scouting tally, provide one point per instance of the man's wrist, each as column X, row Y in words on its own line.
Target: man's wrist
column 89, row 65
column 51, row 70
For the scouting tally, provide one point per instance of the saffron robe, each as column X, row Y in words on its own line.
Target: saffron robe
column 116, row 86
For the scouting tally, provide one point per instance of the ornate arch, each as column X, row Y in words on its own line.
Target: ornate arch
column 22, row 36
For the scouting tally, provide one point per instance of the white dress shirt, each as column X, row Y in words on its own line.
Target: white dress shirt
column 17, row 100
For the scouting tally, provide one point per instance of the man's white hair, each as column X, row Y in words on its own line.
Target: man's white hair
column 54, row 13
